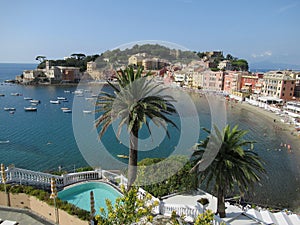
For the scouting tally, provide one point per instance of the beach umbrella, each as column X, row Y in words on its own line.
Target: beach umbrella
column 92, row 207
column 3, row 174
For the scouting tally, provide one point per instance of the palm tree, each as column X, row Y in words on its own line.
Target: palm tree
column 136, row 99
column 232, row 167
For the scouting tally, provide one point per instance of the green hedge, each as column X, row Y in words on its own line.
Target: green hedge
column 45, row 197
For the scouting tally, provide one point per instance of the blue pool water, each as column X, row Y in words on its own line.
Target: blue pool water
column 79, row 195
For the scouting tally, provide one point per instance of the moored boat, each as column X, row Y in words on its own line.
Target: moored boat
column 27, row 98
column 15, row 94
column 67, row 110
column 54, row 101
column 87, row 111
column 9, row 109
column 123, row 156
column 2, row 95
column 30, row 109
column 35, row 101
column 61, row 98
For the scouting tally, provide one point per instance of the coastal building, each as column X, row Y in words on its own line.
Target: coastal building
column 278, row 84
column 225, row 65
column 232, row 81
column 59, row 74
column 213, row 81
column 252, row 83
column 30, row 75
column 141, row 59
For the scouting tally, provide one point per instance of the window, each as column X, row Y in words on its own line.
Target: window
column 282, row 94
column 284, row 82
column 283, row 89
column 291, row 88
column 290, row 94
column 292, row 82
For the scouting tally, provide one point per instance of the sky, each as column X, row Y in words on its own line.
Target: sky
column 256, row 30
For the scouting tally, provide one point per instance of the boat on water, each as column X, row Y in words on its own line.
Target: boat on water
column 54, row 101
column 61, row 98
column 67, row 110
column 9, row 109
column 27, row 98
column 2, row 95
column 30, row 109
column 35, row 101
column 123, row 156
column 64, row 108
column 87, row 111
column 4, row 142
column 66, row 91
column 16, row 94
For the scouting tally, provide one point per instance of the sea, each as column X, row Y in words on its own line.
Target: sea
column 51, row 140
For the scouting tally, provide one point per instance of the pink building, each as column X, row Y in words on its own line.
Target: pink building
column 213, row 80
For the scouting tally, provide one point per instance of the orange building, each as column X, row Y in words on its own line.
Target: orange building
column 252, row 83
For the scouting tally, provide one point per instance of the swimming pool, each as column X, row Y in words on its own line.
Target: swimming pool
column 79, row 195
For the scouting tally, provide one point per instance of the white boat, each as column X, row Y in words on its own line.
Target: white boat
column 27, row 98
column 87, row 111
column 64, row 108
column 90, row 99
column 123, row 156
column 67, row 110
column 15, row 94
column 2, row 95
column 67, row 91
column 35, row 101
column 30, row 109
column 9, row 109
column 54, row 101
column 61, row 98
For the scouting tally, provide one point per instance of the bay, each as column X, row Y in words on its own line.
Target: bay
column 48, row 139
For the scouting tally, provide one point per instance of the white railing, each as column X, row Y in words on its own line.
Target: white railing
column 72, row 178
column 188, row 211
column 114, row 178
column 28, row 177
column 22, row 176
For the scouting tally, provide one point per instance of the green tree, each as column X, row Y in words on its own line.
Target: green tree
column 79, row 56
column 233, row 167
column 240, row 64
column 40, row 58
column 128, row 209
column 135, row 100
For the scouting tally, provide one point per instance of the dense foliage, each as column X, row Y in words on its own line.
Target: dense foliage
column 128, row 209
column 45, row 197
column 177, row 181
column 152, row 50
column 237, row 64
column 77, row 60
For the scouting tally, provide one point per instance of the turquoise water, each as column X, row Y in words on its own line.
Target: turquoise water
column 44, row 140
column 79, row 195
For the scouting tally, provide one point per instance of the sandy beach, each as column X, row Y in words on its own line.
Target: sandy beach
column 288, row 130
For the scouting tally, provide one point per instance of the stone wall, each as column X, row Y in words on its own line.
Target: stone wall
column 41, row 208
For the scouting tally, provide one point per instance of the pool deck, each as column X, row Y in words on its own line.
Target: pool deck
column 22, row 216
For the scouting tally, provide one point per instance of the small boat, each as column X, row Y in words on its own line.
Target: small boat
column 64, row 108
column 30, row 109
column 123, row 156
column 11, row 112
column 35, row 104
column 67, row 91
column 15, row 94
column 9, row 109
column 54, row 101
column 87, row 111
column 61, row 98
column 27, row 98
column 4, row 142
column 2, row 95
column 89, row 99
column 67, row 110
column 35, row 101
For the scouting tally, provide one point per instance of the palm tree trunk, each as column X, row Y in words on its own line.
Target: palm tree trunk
column 133, row 156
column 221, row 203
